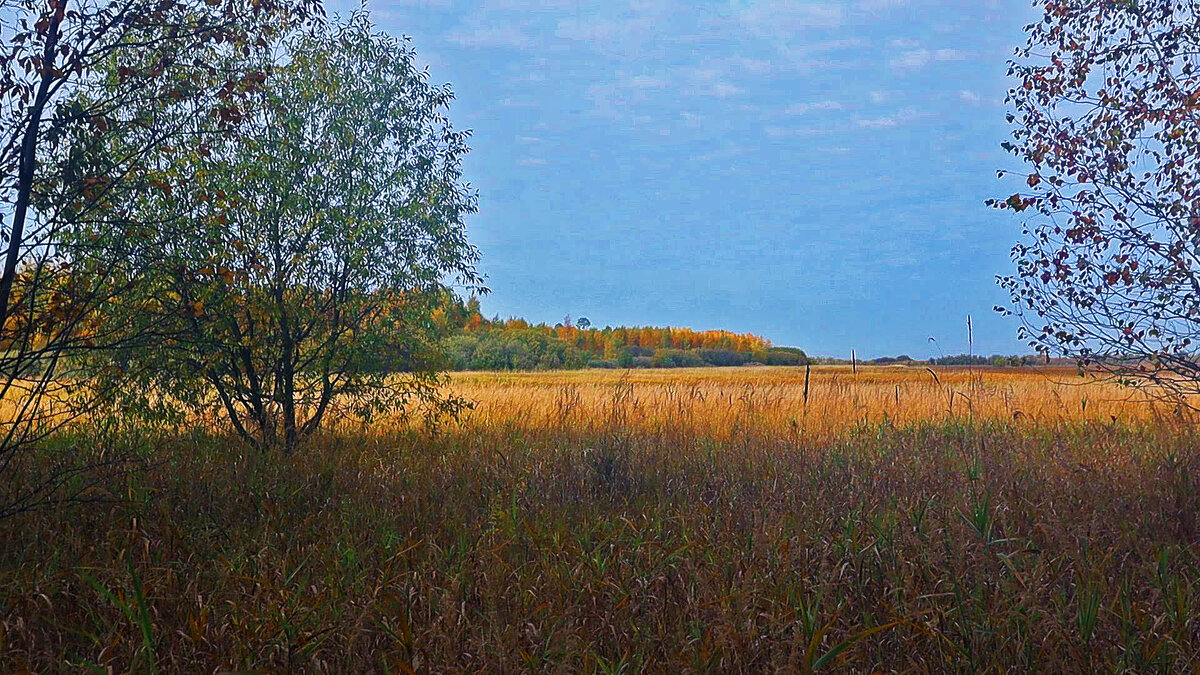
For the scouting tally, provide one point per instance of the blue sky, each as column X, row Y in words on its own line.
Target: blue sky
column 813, row 171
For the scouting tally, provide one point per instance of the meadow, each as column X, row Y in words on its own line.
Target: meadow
column 734, row 520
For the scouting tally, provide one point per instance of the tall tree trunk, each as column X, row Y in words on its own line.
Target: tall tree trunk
column 287, row 369
column 289, row 396
column 28, row 163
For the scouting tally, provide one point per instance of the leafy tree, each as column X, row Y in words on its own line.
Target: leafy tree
column 1107, row 119
column 583, row 323
column 60, row 47
column 74, row 75
column 316, row 245
column 677, row 358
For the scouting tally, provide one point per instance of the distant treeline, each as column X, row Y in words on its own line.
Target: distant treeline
column 473, row 342
column 995, row 360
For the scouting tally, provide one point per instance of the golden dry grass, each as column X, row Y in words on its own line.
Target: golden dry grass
column 716, row 402
column 659, row 521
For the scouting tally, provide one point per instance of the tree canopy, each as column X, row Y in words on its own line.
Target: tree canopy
column 313, row 245
column 75, row 74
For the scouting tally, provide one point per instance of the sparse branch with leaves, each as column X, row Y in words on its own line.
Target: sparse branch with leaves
column 1107, row 119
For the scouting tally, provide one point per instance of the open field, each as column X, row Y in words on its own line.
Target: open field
column 718, row 402
column 602, row 521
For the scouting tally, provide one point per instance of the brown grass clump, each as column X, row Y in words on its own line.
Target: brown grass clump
column 660, row 521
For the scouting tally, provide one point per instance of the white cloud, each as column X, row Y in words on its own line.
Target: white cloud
column 728, row 152
column 879, row 96
column 719, row 90
column 749, row 65
column 745, row 46
column 809, row 57
column 645, row 82
column 493, row 36
column 904, row 43
column 969, row 96
column 421, row 4
column 528, row 139
column 919, row 58
column 619, row 30
column 785, row 18
column 833, row 45
column 889, row 122
column 616, row 99
column 531, row 77
column 532, row 161
column 816, row 106
column 790, row 132
column 516, row 103
column 714, row 74
column 596, row 30
column 879, row 123
column 528, row 5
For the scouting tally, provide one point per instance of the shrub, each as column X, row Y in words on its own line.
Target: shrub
column 782, row 356
column 677, row 358
column 960, row 360
column 888, row 360
column 628, row 356
column 724, row 357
